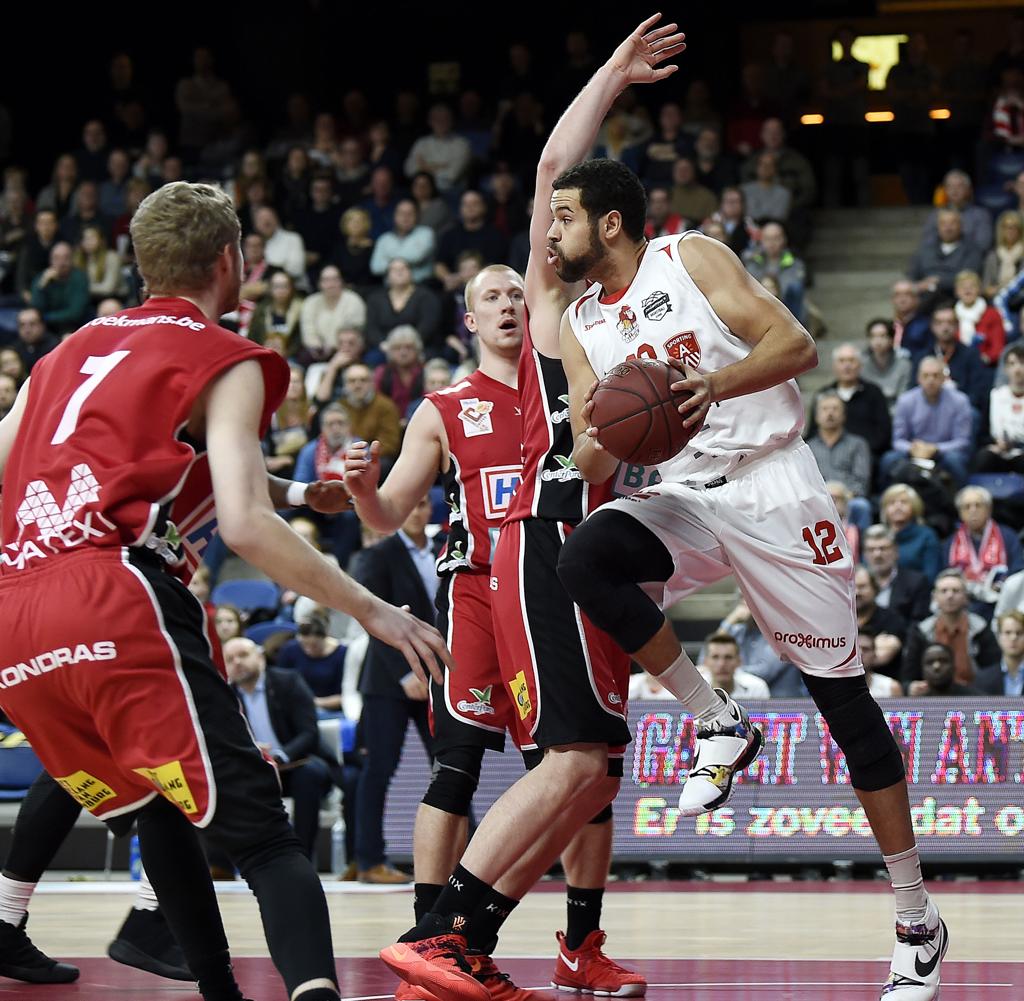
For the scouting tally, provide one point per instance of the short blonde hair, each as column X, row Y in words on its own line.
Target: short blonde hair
column 478, row 277
column 902, row 490
column 178, row 232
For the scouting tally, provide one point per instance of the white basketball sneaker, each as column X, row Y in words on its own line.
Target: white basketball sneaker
column 720, row 751
column 916, row 960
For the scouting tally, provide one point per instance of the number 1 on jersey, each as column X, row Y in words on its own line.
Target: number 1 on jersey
column 97, row 367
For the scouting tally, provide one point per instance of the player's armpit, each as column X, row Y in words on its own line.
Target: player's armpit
column 10, row 424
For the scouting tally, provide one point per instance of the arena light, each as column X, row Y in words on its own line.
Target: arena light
column 879, row 116
column 812, row 119
column 940, row 114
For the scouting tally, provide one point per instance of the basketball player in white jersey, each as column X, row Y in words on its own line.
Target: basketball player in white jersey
column 744, row 497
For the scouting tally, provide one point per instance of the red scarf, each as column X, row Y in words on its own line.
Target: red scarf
column 963, row 555
column 329, row 464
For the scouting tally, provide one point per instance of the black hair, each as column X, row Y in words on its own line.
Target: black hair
column 880, row 322
column 604, row 186
column 1015, row 351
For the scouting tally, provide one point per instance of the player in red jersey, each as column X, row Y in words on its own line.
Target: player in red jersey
column 568, row 681
column 109, row 669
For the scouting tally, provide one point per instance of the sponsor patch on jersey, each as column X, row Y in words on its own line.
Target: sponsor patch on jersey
column 561, row 416
column 521, row 694
column 657, row 306
column 684, row 347
column 499, row 484
column 476, row 417
column 85, row 789
column 566, row 470
column 170, row 780
column 481, row 704
column 627, row 325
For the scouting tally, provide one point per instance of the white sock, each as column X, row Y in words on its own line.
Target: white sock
column 145, row 896
column 908, row 886
column 14, row 899
column 687, row 684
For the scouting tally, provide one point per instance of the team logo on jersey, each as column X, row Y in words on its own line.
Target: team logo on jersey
column 657, row 306
column 476, row 417
column 452, row 559
column 481, row 707
column 684, row 347
column 521, row 694
column 627, row 325
column 499, row 484
column 561, row 416
column 566, row 471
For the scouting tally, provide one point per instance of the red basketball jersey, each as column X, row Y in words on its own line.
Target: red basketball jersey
column 552, row 488
column 102, row 453
column 482, row 422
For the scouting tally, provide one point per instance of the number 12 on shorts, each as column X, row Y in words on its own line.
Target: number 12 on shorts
column 822, row 540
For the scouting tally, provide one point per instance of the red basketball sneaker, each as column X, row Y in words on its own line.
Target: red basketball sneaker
column 437, row 964
column 588, row 970
column 499, row 985
column 407, row 992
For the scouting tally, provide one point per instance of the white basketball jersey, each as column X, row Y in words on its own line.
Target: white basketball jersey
column 662, row 314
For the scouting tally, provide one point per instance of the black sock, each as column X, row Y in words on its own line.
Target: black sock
column 461, row 895
column 486, row 921
column 584, row 914
column 424, row 897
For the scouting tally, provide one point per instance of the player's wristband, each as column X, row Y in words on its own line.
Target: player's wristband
column 296, row 495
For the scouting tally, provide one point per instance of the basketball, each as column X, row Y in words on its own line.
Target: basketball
column 636, row 412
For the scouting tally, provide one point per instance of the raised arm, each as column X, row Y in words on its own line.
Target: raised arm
column 636, row 60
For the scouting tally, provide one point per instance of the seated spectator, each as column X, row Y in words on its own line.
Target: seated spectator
column 661, row 220
column 471, row 232
column 11, row 363
column 1006, row 677
column 400, row 378
column 437, row 375
column 432, row 208
column 506, row 207
column 34, row 340
column 289, row 427
column 352, row 252
column 985, row 552
column 659, row 153
column 773, row 257
column 1007, row 120
column 382, row 151
column 962, row 365
column 1006, row 419
column 939, row 258
column 351, row 350
column 292, row 192
column 759, row 658
column 280, row 313
column 58, row 195
column 324, row 457
column 381, row 202
column 8, row 393
column 765, row 196
column 372, row 415
column 842, row 456
column 715, row 170
column 699, row 111
column 882, row 363
column 407, row 240
column 867, row 416
column 91, row 158
column 101, row 265
column 905, row 591
column 317, row 223
column 645, row 686
column 720, row 667
column 85, row 213
column 281, row 247
column 938, row 674
column 326, row 312
column 227, row 622
column 732, row 214
column 883, row 624
column 980, row 325
column 902, row 512
column 841, row 497
column 793, row 171
column 351, row 171
column 320, row 661
column 975, row 221
column 879, row 685
column 34, row 255
column 1006, row 258
column 282, row 716
column 690, row 199
column 443, row 153
column 910, row 324
column 931, row 427
column 967, row 635
column 61, row 292
column 149, row 167
column 401, row 303
column 256, row 274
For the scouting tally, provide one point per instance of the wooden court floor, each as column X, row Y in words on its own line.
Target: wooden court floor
column 694, row 941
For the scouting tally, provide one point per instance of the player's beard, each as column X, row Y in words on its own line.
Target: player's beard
column 577, row 268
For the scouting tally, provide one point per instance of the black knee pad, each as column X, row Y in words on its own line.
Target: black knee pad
column 860, row 731
column 603, row 817
column 601, row 566
column 453, row 780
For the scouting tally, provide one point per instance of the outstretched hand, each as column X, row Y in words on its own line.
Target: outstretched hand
column 328, row 496
column 638, row 57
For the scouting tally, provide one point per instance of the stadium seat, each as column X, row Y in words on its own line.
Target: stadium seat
column 19, row 768
column 247, row 595
column 262, row 631
column 1002, row 486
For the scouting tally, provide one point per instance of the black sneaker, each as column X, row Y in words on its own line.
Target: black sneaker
column 146, row 942
column 21, row 960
